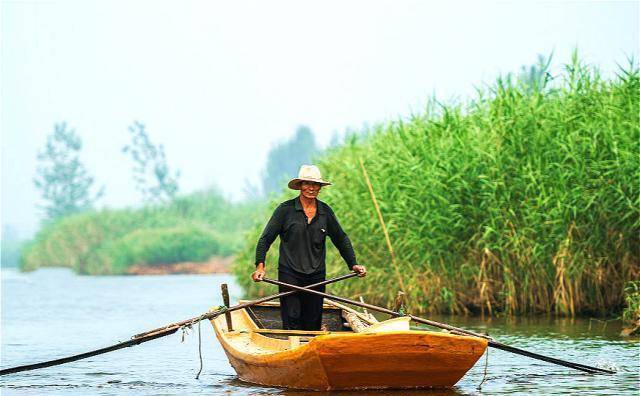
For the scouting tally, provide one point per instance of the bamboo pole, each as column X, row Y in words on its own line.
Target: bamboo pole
column 384, row 227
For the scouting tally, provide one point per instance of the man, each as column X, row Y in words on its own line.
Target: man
column 303, row 223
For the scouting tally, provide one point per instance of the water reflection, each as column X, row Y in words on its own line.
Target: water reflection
column 254, row 390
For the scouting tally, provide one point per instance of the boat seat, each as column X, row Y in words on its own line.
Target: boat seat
column 294, row 332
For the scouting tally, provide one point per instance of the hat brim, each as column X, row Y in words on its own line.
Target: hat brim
column 295, row 183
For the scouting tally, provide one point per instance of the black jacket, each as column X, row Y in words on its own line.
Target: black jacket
column 302, row 245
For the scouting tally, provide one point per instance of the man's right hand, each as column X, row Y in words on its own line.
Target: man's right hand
column 259, row 273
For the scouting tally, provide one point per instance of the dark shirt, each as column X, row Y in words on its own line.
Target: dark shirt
column 302, row 244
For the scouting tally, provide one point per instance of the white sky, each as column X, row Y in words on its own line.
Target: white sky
column 219, row 82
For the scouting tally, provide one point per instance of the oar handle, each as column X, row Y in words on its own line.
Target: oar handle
column 216, row 313
column 287, row 293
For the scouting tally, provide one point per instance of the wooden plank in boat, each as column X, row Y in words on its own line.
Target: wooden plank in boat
column 296, row 332
column 301, row 335
column 325, row 306
column 267, row 316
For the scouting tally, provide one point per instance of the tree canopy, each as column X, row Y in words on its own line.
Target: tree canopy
column 64, row 182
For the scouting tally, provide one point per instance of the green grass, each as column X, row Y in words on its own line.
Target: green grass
column 521, row 201
column 191, row 228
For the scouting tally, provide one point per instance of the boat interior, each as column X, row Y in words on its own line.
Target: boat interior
column 258, row 328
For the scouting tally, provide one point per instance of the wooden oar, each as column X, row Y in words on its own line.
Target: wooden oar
column 492, row 342
column 165, row 330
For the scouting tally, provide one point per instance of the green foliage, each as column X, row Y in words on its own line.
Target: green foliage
column 151, row 173
column 523, row 201
column 154, row 246
column 284, row 159
column 103, row 242
column 631, row 311
column 229, row 220
column 62, row 179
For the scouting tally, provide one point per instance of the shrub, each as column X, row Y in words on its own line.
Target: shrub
column 154, row 246
column 85, row 241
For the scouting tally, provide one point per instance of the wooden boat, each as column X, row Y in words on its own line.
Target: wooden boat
column 382, row 355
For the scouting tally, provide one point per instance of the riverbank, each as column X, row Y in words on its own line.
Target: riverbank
column 215, row 265
column 189, row 229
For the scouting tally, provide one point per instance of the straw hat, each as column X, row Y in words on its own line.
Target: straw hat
column 307, row 173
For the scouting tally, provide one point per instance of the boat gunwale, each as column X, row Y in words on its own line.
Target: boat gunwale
column 331, row 335
column 313, row 355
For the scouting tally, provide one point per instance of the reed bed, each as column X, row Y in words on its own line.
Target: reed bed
column 521, row 201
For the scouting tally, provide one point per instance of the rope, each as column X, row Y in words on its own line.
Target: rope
column 486, row 365
column 199, row 349
column 185, row 332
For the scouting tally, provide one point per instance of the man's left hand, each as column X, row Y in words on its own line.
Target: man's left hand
column 361, row 270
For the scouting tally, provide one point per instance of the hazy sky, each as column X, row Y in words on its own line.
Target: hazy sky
column 219, row 82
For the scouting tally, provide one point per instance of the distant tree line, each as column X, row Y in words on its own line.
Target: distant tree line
column 67, row 187
column 284, row 159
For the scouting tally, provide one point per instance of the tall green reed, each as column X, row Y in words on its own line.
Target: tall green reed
column 521, row 201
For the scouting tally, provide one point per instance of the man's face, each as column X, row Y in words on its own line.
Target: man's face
column 310, row 189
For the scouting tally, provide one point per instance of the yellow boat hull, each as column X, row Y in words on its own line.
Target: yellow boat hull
column 345, row 360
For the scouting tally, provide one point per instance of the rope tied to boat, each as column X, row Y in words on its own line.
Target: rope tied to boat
column 199, row 349
column 486, row 366
column 185, row 331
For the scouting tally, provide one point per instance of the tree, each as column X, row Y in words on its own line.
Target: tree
column 62, row 179
column 284, row 159
column 151, row 173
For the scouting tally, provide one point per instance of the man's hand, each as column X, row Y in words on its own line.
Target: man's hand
column 361, row 270
column 259, row 273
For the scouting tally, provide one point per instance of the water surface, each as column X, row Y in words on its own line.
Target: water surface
column 51, row 313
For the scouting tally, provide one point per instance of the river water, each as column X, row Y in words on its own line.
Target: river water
column 51, row 313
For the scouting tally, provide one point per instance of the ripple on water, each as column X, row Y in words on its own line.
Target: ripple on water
column 168, row 367
column 98, row 374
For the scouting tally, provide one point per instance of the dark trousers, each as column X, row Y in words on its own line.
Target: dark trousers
column 300, row 311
